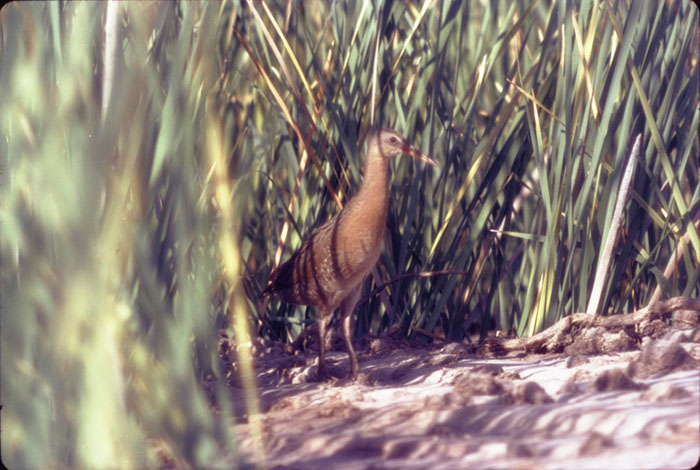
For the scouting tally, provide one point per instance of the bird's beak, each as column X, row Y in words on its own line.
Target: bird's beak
column 414, row 152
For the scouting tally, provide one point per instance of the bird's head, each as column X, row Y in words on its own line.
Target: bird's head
column 389, row 143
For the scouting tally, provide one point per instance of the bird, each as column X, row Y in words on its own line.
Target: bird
column 328, row 270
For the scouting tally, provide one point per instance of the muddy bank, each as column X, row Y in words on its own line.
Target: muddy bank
column 447, row 407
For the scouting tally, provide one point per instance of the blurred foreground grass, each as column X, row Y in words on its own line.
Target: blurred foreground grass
column 153, row 153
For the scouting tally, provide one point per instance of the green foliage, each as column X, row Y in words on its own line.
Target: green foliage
column 121, row 258
column 530, row 109
column 108, row 324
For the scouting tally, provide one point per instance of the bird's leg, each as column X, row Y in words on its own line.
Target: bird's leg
column 348, row 307
column 324, row 317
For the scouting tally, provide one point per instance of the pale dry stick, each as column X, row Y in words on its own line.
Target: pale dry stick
column 601, row 273
column 111, row 32
column 656, row 137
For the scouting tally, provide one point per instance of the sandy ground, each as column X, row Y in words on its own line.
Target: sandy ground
column 441, row 407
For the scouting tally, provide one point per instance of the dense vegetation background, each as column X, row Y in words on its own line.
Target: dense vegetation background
column 158, row 160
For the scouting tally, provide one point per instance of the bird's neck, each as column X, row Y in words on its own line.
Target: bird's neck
column 370, row 205
column 375, row 179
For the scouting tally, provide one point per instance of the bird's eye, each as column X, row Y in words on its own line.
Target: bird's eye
column 393, row 140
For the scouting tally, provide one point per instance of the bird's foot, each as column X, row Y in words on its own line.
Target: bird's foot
column 354, row 368
column 323, row 374
column 335, row 374
column 357, row 379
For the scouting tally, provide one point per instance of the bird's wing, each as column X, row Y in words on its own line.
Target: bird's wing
column 284, row 278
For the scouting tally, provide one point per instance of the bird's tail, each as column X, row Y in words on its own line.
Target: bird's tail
column 267, row 292
column 275, row 284
column 271, row 286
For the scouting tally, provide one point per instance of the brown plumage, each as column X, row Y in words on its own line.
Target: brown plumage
column 328, row 270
